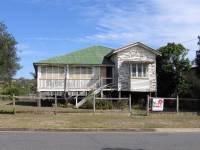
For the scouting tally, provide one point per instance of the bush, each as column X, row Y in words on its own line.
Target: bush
column 120, row 104
column 103, row 104
column 10, row 90
column 88, row 104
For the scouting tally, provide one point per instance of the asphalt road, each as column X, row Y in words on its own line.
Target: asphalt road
column 99, row 141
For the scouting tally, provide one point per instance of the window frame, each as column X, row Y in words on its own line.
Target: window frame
column 143, row 72
column 81, row 73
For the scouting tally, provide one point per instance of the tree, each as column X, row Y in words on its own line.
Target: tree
column 171, row 69
column 9, row 61
column 33, row 85
column 197, row 60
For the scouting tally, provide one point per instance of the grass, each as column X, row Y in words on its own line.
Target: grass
column 98, row 120
column 33, row 117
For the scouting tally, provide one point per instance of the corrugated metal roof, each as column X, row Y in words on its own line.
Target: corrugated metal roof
column 94, row 55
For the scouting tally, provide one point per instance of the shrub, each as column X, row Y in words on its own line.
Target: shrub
column 120, row 104
column 88, row 104
column 10, row 90
column 103, row 104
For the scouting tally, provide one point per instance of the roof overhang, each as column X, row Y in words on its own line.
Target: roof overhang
column 132, row 45
column 57, row 64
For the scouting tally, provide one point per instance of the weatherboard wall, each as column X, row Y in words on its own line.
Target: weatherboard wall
column 57, row 80
column 135, row 54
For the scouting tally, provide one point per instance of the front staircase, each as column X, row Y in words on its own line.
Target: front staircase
column 91, row 93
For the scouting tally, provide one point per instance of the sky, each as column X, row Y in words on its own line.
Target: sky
column 47, row 28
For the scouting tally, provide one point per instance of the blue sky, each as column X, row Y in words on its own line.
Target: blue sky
column 46, row 28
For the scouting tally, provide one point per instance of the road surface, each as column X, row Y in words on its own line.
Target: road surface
column 98, row 141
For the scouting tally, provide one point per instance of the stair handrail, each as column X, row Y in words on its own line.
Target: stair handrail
column 96, row 91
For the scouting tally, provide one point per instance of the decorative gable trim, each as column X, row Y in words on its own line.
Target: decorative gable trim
column 135, row 44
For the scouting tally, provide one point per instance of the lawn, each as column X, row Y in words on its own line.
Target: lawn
column 98, row 120
column 34, row 117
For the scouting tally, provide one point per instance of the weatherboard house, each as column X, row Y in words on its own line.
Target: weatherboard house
column 128, row 69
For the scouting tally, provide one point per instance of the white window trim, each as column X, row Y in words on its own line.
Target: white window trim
column 142, row 67
column 80, row 73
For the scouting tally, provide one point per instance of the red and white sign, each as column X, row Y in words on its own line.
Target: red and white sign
column 158, row 104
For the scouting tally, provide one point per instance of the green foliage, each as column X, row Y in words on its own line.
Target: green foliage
column 18, row 87
column 197, row 60
column 195, row 84
column 171, row 69
column 120, row 104
column 10, row 90
column 8, row 55
column 88, row 104
column 105, row 104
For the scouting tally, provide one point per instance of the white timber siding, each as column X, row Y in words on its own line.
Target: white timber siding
column 115, row 70
column 57, row 78
column 50, row 78
column 135, row 54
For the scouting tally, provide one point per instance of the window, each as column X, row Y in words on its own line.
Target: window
column 43, row 72
column 61, row 73
column 74, row 72
column 50, row 72
column 80, row 72
column 86, row 72
column 134, row 70
column 139, row 66
column 139, row 70
column 55, row 72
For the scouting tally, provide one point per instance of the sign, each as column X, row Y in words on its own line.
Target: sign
column 158, row 104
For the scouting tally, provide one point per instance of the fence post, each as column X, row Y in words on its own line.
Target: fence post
column 56, row 102
column 130, row 109
column 177, row 103
column 76, row 101
column 13, row 98
column 39, row 100
column 94, row 107
column 55, row 98
column 147, row 105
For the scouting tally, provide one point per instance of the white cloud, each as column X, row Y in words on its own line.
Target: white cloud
column 154, row 22
column 47, row 39
column 25, row 50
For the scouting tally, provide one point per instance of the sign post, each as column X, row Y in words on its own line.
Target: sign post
column 177, row 103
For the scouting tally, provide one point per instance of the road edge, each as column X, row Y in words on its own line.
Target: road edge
column 150, row 130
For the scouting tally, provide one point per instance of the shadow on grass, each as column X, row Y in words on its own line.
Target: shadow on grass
column 122, row 149
column 26, row 103
column 23, row 103
column 6, row 112
column 139, row 114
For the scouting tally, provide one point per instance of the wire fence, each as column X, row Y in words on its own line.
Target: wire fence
column 38, row 104
column 33, row 103
column 27, row 104
column 173, row 104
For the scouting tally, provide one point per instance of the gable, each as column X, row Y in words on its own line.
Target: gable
column 136, row 53
column 143, row 46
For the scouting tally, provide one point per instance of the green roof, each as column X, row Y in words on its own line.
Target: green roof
column 94, row 55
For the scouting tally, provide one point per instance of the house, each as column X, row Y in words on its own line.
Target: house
column 128, row 69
